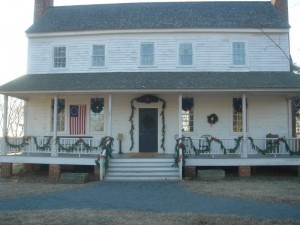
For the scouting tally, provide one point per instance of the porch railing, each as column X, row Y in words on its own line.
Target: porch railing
column 66, row 145
column 259, row 146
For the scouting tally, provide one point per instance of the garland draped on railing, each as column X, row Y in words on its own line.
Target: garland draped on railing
column 272, row 145
column 106, row 144
column 19, row 146
column 148, row 99
column 43, row 147
column 74, row 146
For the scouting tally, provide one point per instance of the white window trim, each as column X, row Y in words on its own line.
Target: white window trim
column 105, row 56
column 193, row 54
column 140, row 52
column 246, row 54
column 52, row 57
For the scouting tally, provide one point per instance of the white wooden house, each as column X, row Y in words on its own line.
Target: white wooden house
column 216, row 72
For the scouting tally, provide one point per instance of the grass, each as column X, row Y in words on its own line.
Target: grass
column 116, row 217
column 264, row 188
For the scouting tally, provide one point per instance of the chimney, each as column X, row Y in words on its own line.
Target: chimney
column 282, row 6
column 40, row 7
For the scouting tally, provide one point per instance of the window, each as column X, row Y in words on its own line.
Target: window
column 97, row 115
column 187, row 114
column 185, row 54
column 238, row 53
column 237, row 119
column 60, row 57
column 147, row 54
column 98, row 56
column 60, row 125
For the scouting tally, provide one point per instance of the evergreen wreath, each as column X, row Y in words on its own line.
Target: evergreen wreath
column 148, row 99
column 187, row 104
column 212, row 119
column 97, row 105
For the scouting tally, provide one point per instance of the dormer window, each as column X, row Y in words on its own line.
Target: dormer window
column 60, row 57
column 98, row 56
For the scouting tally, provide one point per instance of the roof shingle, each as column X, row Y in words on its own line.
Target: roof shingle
column 165, row 15
column 152, row 81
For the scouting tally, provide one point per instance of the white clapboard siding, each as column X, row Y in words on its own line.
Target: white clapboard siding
column 265, row 115
column 212, row 52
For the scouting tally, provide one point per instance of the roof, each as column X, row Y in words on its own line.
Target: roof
column 163, row 15
column 122, row 81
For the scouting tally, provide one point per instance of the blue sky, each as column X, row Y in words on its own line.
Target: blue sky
column 17, row 16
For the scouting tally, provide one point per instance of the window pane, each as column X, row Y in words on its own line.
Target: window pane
column 238, row 53
column 96, row 115
column 147, row 53
column 185, row 54
column 237, row 116
column 98, row 57
column 60, row 124
column 59, row 58
column 187, row 115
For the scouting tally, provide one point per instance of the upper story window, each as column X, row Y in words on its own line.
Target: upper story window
column 238, row 53
column 60, row 57
column 147, row 54
column 185, row 54
column 98, row 56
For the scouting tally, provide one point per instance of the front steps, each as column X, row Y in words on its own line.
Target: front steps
column 142, row 169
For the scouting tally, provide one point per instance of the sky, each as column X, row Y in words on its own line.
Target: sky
column 17, row 16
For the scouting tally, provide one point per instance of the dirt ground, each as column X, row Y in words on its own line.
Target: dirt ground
column 279, row 189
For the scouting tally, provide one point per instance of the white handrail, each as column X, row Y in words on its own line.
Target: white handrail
column 102, row 164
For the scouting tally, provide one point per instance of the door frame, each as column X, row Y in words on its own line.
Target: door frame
column 157, row 126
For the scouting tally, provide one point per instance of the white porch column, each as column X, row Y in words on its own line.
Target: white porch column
column 180, row 116
column 180, row 133
column 4, row 125
column 25, row 117
column 290, row 119
column 244, row 149
column 109, row 125
column 53, row 147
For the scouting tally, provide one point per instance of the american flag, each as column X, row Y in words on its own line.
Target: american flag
column 77, row 119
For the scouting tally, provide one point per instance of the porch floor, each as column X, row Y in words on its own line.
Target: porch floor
column 191, row 160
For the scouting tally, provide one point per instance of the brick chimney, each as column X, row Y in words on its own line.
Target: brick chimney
column 282, row 6
column 40, row 7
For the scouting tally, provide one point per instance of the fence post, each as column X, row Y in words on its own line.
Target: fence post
column 180, row 163
column 102, row 165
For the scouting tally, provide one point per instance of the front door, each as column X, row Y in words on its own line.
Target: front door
column 148, row 133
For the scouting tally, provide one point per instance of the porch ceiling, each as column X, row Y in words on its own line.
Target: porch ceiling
column 276, row 82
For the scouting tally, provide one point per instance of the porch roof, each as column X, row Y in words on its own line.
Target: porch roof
column 145, row 81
